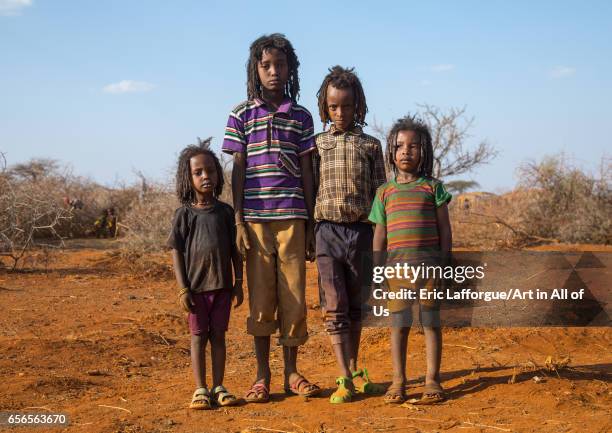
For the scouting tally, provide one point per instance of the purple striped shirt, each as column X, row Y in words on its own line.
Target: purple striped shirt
column 274, row 143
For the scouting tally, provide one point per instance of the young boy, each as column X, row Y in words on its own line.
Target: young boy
column 271, row 137
column 349, row 167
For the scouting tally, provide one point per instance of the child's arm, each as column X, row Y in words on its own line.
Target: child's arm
column 308, row 187
column 237, row 291
column 181, row 279
column 238, row 176
column 444, row 229
column 379, row 244
column 379, row 175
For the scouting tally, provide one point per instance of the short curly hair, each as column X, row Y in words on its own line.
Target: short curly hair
column 343, row 78
column 184, row 188
column 421, row 129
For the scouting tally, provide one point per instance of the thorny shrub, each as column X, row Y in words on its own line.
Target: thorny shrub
column 31, row 215
column 554, row 202
column 567, row 203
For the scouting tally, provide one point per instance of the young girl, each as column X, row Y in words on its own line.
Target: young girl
column 412, row 225
column 203, row 251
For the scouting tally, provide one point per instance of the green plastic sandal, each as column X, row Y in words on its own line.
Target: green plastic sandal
column 345, row 391
column 367, row 387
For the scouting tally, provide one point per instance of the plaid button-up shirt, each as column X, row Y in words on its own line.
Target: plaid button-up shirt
column 348, row 168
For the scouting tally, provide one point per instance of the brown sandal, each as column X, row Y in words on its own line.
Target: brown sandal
column 302, row 387
column 432, row 394
column 395, row 394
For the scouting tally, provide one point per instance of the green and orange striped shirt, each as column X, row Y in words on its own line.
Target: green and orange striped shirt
column 409, row 213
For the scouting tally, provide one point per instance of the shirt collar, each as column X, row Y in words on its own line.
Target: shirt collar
column 355, row 130
column 284, row 107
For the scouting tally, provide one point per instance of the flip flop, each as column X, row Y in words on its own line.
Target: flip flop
column 201, row 399
column 302, row 387
column 395, row 394
column 432, row 394
column 345, row 391
column 259, row 393
column 222, row 397
column 367, row 387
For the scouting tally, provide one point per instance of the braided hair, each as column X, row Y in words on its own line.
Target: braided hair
column 421, row 130
column 261, row 44
column 342, row 78
column 184, row 187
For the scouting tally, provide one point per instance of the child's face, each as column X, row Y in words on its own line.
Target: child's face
column 273, row 70
column 407, row 155
column 341, row 107
column 203, row 174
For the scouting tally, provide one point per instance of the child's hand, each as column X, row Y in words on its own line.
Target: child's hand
column 237, row 294
column 187, row 302
column 310, row 242
column 242, row 239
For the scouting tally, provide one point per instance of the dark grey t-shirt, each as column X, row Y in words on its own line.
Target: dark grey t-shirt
column 206, row 237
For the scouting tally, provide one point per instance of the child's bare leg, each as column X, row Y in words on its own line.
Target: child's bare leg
column 198, row 359
column 355, row 338
column 217, row 354
column 262, row 353
column 342, row 350
column 433, row 348
column 290, row 359
column 399, row 348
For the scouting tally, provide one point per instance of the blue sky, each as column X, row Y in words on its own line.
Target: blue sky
column 113, row 86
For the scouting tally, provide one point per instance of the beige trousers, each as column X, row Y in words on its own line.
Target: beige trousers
column 276, row 277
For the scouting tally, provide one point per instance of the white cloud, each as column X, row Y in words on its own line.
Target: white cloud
column 443, row 67
column 13, row 7
column 128, row 86
column 562, row 71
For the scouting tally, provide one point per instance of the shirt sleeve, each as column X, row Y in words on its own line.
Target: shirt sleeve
column 378, row 214
column 176, row 239
column 379, row 175
column 442, row 195
column 307, row 142
column 234, row 139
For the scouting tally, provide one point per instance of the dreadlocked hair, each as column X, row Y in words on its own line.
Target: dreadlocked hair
column 343, row 78
column 261, row 44
column 184, row 187
column 421, row 130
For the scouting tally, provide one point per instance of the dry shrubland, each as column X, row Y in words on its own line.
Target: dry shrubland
column 29, row 216
column 148, row 220
column 42, row 203
column 555, row 201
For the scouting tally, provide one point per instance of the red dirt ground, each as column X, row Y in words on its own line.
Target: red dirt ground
column 83, row 334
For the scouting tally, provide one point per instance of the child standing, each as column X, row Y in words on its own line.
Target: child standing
column 349, row 167
column 203, row 251
column 270, row 137
column 412, row 224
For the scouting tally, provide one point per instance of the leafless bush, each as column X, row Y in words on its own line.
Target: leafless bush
column 30, row 213
column 555, row 202
column 569, row 204
column 450, row 133
column 488, row 221
column 148, row 221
